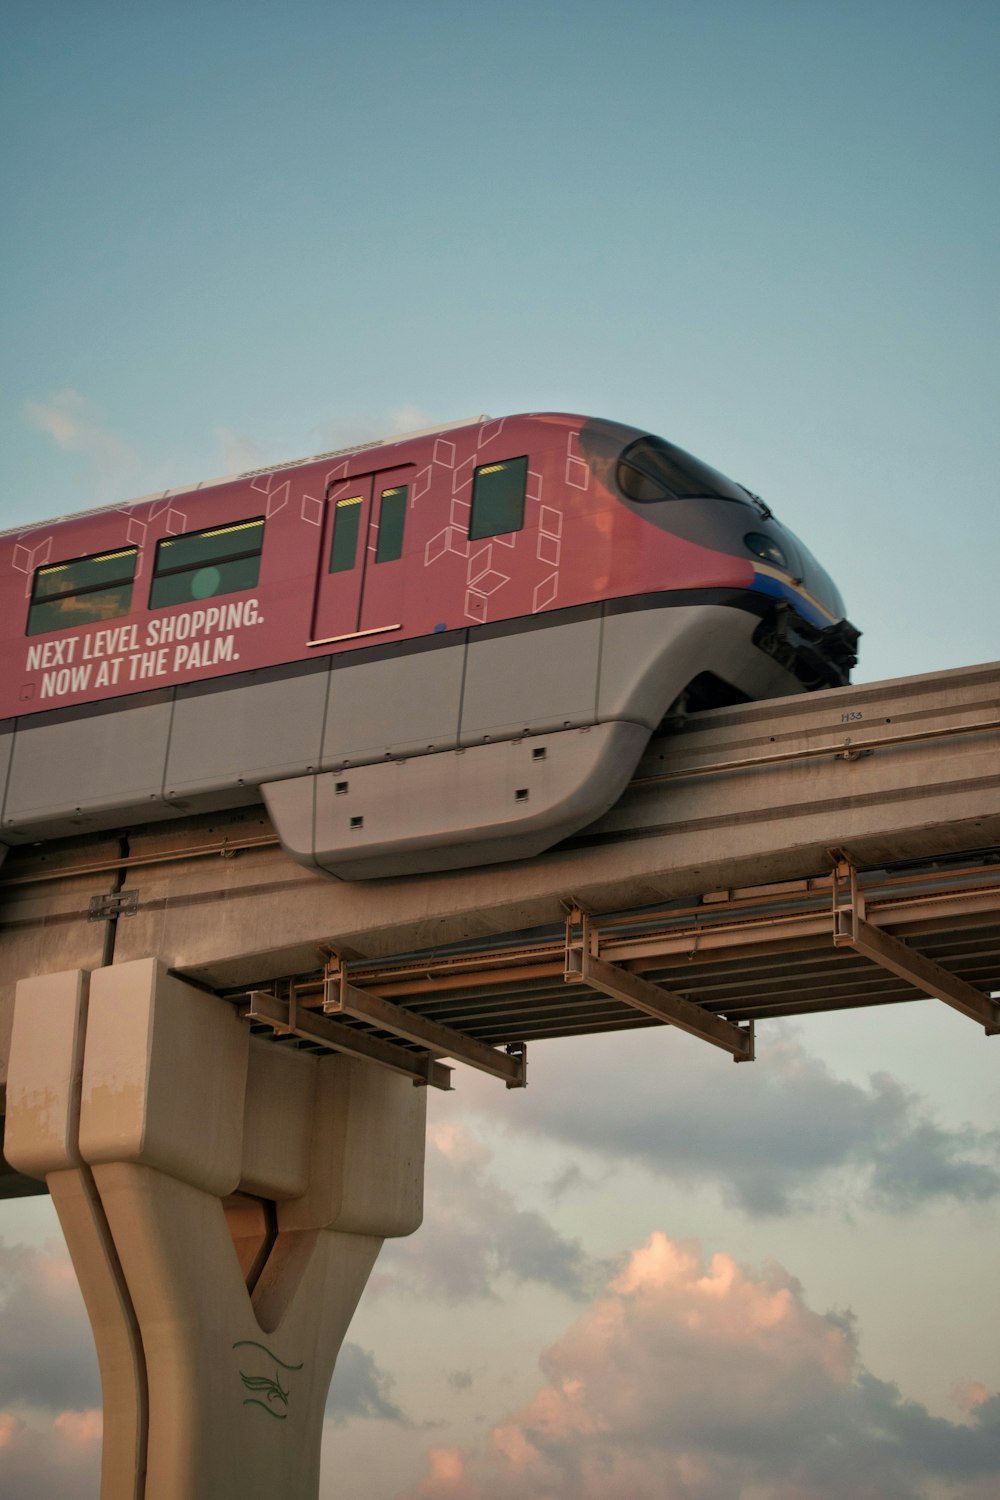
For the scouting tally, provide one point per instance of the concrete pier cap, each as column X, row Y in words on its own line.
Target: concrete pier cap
column 224, row 1201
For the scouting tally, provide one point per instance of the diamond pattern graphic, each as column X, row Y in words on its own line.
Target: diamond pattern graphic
column 463, row 474
column 421, row 485
column 311, row 510
column 488, row 582
column 452, row 539
column 278, row 499
column 577, row 472
column 545, row 592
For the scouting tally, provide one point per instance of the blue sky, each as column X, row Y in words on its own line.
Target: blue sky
column 766, row 230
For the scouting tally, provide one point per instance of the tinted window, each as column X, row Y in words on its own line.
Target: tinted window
column 346, row 522
column 498, row 498
column 82, row 591
column 652, row 469
column 391, row 520
column 221, row 560
column 766, row 548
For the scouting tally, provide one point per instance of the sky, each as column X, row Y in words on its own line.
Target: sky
column 768, row 231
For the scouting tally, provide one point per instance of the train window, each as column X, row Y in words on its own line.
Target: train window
column 346, row 524
column 81, row 591
column 766, row 548
column 498, row 498
column 201, row 564
column 391, row 520
column 654, row 470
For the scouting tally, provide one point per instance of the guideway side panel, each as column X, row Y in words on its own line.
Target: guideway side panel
column 146, row 1109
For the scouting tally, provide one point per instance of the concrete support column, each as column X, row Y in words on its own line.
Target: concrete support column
column 224, row 1201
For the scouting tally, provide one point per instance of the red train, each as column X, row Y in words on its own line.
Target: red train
column 436, row 651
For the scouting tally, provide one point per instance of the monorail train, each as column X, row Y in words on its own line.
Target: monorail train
column 422, row 654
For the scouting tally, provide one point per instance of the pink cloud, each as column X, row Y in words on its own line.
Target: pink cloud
column 79, row 1429
column 701, row 1379
column 10, row 1427
column 47, row 1357
column 41, row 1459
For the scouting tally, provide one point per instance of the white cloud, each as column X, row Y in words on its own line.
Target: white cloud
column 351, row 427
column 700, row 1379
column 238, row 452
column 474, row 1236
column 78, row 426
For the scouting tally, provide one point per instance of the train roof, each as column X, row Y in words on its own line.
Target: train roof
column 206, row 484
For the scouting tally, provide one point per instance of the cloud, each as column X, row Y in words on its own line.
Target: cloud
column 360, row 1389
column 78, row 426
column 350, row 428
column 61, row 1457
column 700, row 1379
column 770, row 1135
column 49, row 1362
column 474, row 1234
column 237, row 452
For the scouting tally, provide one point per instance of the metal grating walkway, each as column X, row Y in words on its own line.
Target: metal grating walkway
column 837, row 942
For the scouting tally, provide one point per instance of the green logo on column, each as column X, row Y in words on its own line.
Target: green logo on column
column 266, row 1385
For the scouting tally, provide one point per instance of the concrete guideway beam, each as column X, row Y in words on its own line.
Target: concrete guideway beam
column 224, row 1201
column 220, row 902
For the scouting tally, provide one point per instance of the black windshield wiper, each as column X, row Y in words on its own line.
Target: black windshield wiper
column 766, row 513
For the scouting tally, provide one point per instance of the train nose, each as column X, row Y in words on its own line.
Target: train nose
column 818, row 584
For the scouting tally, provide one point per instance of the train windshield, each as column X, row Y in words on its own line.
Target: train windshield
column 652, row 469
column 819, row 583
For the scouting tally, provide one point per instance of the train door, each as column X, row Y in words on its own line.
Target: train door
column 360, row 582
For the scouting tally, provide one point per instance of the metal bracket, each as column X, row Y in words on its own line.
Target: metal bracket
column 341, row 998
column 584, row 965
column 269, row 1010
column 119, row 904
column 851, row 930
column 518, row 1051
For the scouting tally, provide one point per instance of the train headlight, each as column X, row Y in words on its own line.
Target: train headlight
column 766, row 548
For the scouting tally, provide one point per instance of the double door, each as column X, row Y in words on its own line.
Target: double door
column 359, row 590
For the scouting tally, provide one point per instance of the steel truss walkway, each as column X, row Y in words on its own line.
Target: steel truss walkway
column 711, row 967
